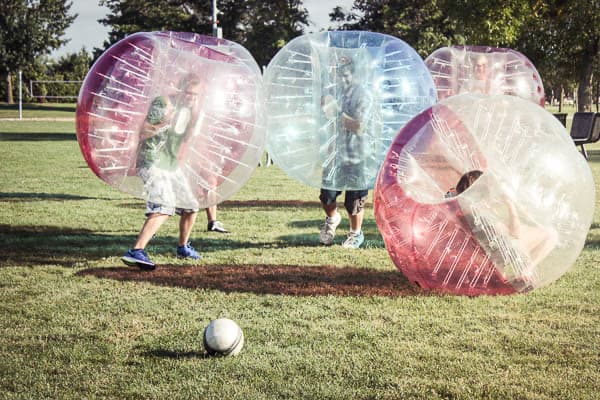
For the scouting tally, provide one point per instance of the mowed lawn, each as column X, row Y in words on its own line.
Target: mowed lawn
column 319, row 322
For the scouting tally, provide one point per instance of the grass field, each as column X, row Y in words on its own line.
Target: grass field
column 75, row 323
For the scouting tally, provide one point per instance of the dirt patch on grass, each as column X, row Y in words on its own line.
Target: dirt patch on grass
column 270, row 279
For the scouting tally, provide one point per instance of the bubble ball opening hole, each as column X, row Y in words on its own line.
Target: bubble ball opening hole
column 520, row 226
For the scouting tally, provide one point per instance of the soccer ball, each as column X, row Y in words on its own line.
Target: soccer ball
column 223, row 337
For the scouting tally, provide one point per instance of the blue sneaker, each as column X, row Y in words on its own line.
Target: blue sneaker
column 187, row 251
column 354, row 240
column 138, row 258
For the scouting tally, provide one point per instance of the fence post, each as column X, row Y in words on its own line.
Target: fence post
column 20, row 95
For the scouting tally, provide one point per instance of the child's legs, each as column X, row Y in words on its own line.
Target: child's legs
column 151, row 226
column 186, row 223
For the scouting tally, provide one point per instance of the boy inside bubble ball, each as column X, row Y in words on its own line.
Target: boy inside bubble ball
column 522, row 246
column 169, row 122
column 348, row 115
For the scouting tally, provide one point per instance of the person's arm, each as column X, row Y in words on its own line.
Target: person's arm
column 355, row 123
column 514, row 223
column 152, row 129
column 352, row 125
column 329, row 106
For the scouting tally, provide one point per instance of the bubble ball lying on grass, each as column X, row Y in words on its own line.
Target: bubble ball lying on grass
column 485, row 70
column 173, row 118
column 484, row 195
column 336, row 100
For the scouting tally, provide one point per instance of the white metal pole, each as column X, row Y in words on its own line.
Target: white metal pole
column 214, row 17
column 20, row 95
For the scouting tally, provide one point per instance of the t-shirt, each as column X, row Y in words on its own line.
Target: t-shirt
column 161, row 149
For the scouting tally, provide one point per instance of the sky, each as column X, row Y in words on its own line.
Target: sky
column 87, row 32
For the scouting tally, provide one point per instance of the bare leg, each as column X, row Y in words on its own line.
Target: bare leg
column 330, row 210
column 356, row 221
column 151, row 225
column 540, row 242
column 186, row 223
column 211, row 214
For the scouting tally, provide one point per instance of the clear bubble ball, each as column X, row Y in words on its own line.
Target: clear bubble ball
column 173, row 118
column 485, row 70
column 334, row 102
column 484, row 195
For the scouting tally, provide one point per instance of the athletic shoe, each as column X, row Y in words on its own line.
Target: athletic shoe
column 217, row 226
column 328, row 229
column 354, row 240
column 187, row 251
column 138, row 258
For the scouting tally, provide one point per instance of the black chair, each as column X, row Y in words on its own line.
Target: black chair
column 585, row 129
column 562, row 117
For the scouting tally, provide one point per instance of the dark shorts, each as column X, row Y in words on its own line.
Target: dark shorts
column 354, row 200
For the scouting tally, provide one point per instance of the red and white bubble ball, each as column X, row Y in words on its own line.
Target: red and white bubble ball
column 336, row 100
column 485, row 70
column 173, row 118
column 521, row 222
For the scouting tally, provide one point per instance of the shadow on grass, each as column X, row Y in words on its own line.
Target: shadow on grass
column 55, row 245
column 165, row 353
column 275, row 204
column 35, row 136
column 21, row 196
column 593, row 155
column 292, row 280
column 270, row 204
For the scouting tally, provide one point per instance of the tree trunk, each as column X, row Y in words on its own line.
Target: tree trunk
column 9, row 89
column 584, row 91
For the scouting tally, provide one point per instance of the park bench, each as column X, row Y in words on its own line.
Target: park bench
column 585, row 129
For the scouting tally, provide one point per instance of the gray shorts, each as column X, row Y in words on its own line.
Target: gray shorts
column 154, row 208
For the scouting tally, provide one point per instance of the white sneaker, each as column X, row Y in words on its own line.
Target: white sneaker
column 328, row 229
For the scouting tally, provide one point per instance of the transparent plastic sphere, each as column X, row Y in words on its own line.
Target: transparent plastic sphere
column 485, row 70
column 517, row 222
column 173, row 118
column 335, row 101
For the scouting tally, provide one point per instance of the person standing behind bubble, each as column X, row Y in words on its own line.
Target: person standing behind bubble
column 169, row 122
column 349, row 116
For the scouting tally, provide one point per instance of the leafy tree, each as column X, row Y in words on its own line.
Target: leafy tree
column 429, row 24
column 262, row 27
column 563, row 37
column 421, row 23
column 28, row 29
column 131, row 16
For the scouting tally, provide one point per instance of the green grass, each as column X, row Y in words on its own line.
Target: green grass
column 75, row 323
column 38, row 110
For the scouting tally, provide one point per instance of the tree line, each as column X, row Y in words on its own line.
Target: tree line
column 561, row 37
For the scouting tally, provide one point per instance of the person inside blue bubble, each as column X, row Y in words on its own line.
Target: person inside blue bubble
column 345, row 166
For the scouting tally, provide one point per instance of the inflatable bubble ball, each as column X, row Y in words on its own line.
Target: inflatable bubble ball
column 484, row 195
column 173, row 118
column 485, row 70
column 336, row 100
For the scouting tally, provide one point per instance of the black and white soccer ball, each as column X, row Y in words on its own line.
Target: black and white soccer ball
column 223, row 337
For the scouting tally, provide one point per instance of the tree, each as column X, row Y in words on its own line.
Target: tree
column 429, row 24
column 131, row 16
column 563, row 37
column 29, row 29
column 262, row 27
column 420, row 23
